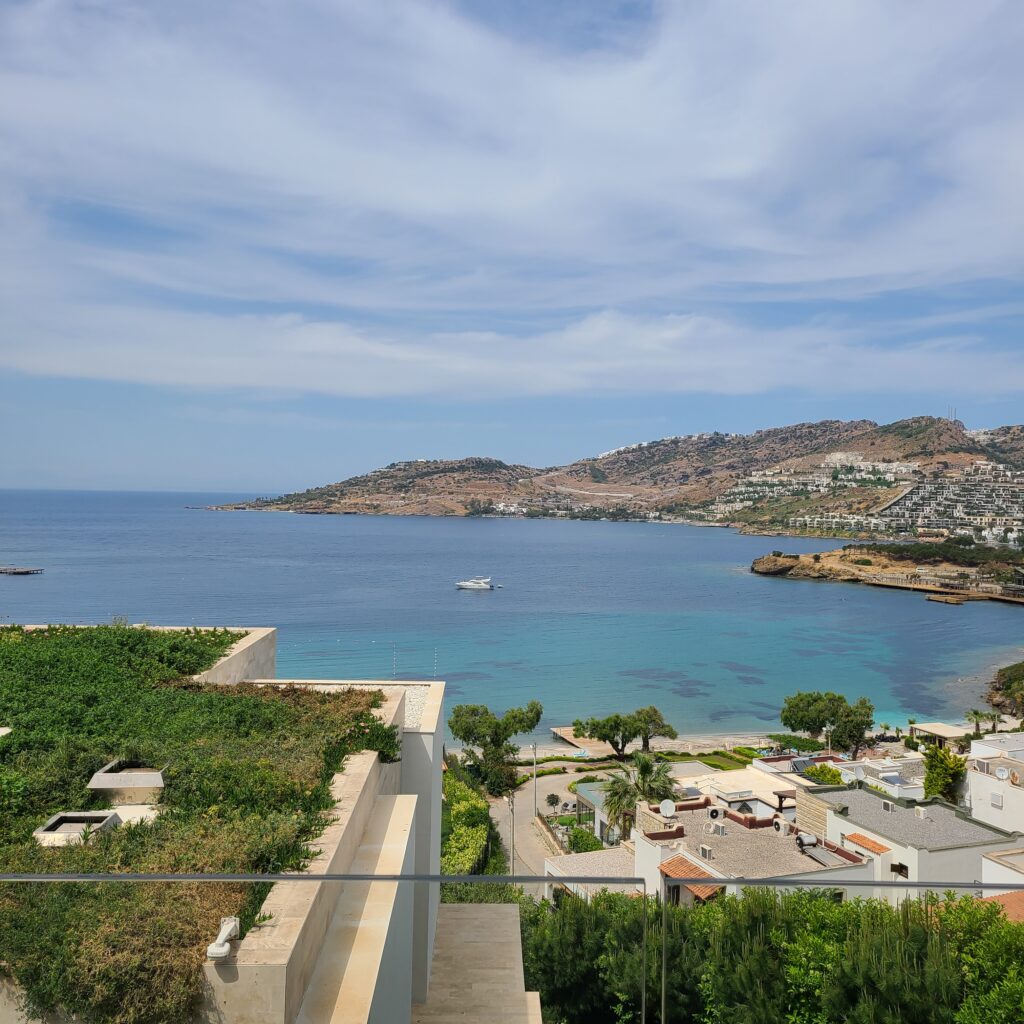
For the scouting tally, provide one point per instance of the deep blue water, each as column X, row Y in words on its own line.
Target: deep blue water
column 592, row 618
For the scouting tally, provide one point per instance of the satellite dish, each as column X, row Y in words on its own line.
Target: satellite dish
column 1002, row 773
column 667, row 808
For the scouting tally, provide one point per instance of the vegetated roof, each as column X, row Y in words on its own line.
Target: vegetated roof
column 943, row 826
column 868, row 844
column 247, row 773
column 681, row 867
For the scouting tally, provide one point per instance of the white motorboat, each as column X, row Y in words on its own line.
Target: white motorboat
column 476, row 583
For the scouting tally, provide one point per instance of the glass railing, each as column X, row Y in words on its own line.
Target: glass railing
column 159, row 947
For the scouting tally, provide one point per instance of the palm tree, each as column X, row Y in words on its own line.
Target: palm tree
column 647, row 780
column 996, row 718
column 898, row 731
column 884, row 727
column 976, row 717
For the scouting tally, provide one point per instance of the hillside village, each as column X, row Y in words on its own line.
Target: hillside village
column 833, row 477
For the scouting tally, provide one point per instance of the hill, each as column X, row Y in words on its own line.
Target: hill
column 673, row 475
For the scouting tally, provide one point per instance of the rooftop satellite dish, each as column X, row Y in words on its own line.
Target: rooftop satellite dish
column 667, row 808
column 1002, row 773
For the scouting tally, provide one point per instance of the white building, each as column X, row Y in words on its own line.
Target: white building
column 901, row 778
column 995, row 780
column 929, row 841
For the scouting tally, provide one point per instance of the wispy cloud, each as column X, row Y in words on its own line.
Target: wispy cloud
column 402, row 198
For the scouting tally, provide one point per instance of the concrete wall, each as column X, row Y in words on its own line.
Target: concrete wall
column 253, row 657
column 422, row 756
column 265, row 978
column 994, row 872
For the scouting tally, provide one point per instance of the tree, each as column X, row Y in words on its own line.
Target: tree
column 851, row 724
column 650, row 723
column 618, row 730
column 943, row 773
column 810, row 711
column 494, row 759
column 552, row 801
column 996, row 718
column 883, row 728
column 976, row 717
column 647, row 780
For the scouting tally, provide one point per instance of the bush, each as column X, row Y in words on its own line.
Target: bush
column 464, row 850
column 582, row 840
column 801, row 744
column 586, row 778
column 823, row 774
column 862, row 561
column 910, row 743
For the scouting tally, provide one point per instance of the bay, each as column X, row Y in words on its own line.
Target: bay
column 592, row 617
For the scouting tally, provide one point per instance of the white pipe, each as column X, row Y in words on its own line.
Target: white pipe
column 221, row 947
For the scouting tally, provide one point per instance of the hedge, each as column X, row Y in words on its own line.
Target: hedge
column 582, row 840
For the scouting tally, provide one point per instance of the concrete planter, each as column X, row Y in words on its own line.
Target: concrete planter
column 128, row 782
column 70, row 827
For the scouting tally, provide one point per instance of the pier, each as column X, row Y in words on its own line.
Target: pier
column 17, row 570
column 592, row 748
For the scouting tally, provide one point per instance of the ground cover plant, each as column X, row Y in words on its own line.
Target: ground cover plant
column 247, row 773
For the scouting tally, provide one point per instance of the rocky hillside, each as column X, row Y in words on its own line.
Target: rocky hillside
column 668, row 475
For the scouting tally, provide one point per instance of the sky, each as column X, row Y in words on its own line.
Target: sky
column 266, row 245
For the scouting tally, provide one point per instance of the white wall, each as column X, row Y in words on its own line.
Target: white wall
column 981, row 787
column 422, row 755
column 979, row 748
column 994, row 872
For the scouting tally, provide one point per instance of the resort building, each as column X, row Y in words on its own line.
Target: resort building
column 919, row 841
column 995, row 780
column 939, row 733
column 703, row 839
column 901, row 778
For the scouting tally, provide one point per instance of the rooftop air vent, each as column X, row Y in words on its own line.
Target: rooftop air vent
column 124, row 781
column 70, row 827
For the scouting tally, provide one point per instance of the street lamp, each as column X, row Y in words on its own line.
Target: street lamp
column 535, row 779
column 511, row 801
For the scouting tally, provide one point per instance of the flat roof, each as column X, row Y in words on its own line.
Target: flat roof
column 1002, row 741
column 592, row 792
column 1012, row 859
column 615, row 862
column 742, row 852
column 942, row 827
column 947, row 732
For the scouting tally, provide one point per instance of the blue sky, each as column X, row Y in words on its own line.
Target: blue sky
column 259, row 247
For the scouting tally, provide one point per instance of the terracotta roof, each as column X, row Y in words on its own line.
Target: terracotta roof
column 679, row 867
column 1012, row 903
column 871, row 845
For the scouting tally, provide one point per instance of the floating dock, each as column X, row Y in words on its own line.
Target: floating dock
column 17, row 570
column 592, row 748
column 947, row 598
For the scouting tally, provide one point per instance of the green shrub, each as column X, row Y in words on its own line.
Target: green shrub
column 910, row 743
column 582, row 840
column 824, row 774
column 862, row 561
column 464, row 850
column 586, row 778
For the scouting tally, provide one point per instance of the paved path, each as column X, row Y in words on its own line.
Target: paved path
column 532, row 843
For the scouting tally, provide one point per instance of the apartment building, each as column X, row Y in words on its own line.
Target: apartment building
column 920, row 841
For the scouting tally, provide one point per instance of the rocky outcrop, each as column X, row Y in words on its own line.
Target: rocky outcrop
column 804, row 567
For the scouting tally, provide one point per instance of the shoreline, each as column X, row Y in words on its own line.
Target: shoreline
column 740, row 529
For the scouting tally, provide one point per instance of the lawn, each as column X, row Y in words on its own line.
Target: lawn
column 247, row 772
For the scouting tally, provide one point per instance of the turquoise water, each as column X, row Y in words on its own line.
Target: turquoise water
column 592, row 618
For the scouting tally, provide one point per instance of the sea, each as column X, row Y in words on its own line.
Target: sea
column 590, row 618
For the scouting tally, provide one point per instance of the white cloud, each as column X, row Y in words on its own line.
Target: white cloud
column 394, row 178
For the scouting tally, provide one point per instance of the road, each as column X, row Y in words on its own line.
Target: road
column 532, row 844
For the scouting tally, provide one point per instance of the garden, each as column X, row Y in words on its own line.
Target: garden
column 247, row 774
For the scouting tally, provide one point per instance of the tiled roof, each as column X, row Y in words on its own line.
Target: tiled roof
column 1012, row 903
column 868, row 844
column 679, row 867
